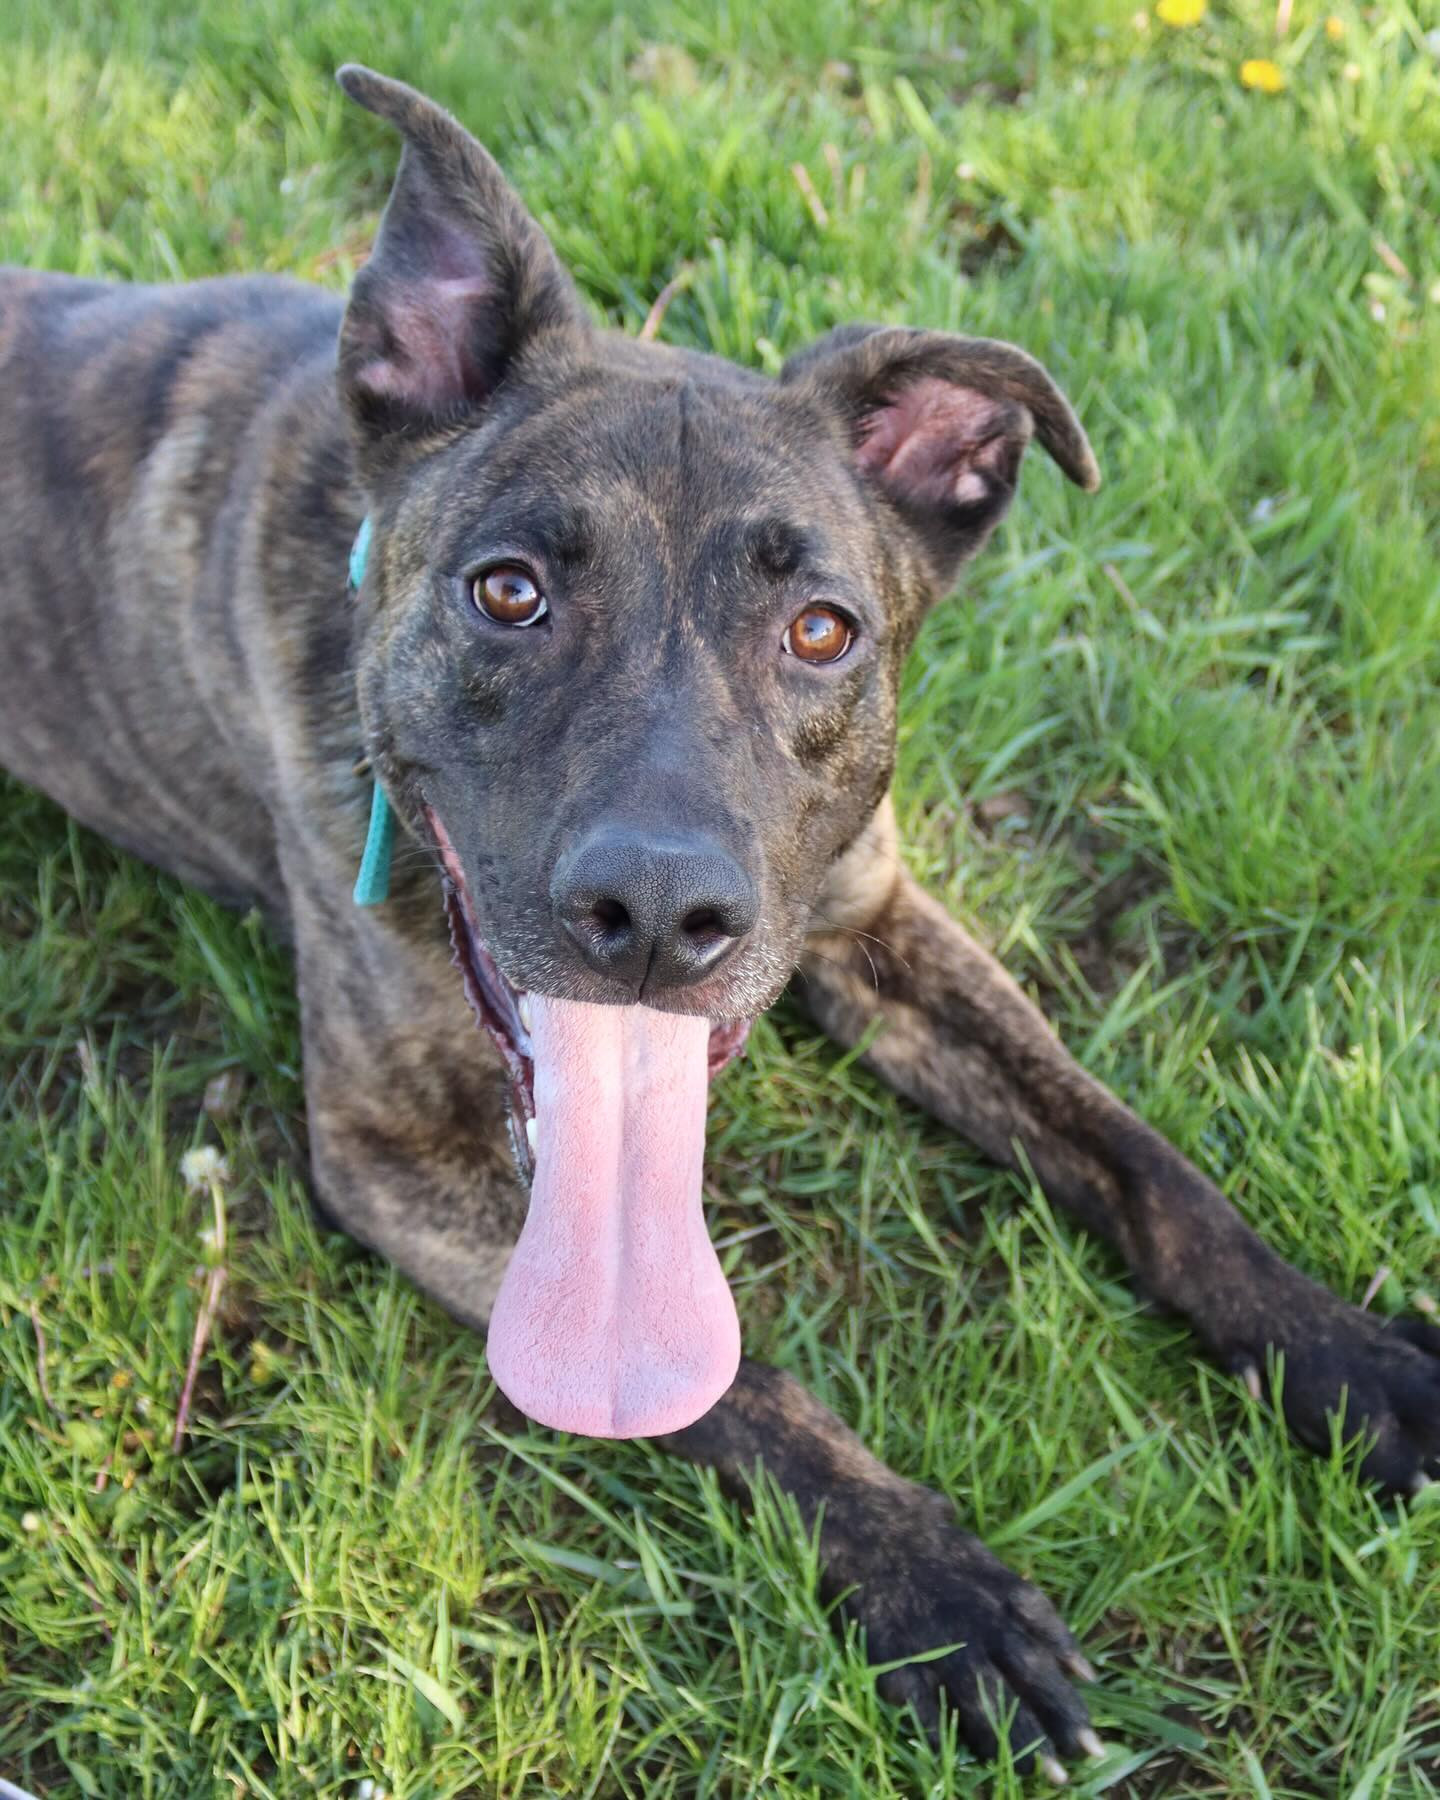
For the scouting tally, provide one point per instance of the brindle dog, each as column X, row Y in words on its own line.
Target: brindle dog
column 625, row 661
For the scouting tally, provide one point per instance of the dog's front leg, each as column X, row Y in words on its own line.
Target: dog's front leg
column 906, row 1572
column 957, row 1035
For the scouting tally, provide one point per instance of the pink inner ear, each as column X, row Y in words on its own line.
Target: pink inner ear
column 940, row 444
column 429, row 330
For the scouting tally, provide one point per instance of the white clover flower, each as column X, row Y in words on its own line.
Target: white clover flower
column 203, row 1168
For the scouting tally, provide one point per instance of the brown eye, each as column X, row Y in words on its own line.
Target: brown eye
column 817, row 635
column 508, row 595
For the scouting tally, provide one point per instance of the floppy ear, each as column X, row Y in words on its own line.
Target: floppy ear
column 460, row 278
column 940, row 424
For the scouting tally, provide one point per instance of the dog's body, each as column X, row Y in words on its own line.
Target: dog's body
column 180, row 485
column 183, row 504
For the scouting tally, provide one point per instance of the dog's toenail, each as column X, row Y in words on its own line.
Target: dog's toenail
column 1250, row 1375
column 1055, row 1771
column 1090, row 1742
column 1081, row 1667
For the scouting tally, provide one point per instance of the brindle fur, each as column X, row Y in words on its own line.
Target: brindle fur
column 181, row 477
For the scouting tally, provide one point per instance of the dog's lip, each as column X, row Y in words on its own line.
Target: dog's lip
column 501, row 1007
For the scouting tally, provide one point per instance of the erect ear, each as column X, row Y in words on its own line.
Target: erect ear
column 460, row 278
column 940, row 424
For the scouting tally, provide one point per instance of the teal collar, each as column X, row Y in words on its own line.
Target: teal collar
column 372, row 885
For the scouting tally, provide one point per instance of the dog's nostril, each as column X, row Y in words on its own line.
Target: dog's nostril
column 611, row 916
column 703, row 924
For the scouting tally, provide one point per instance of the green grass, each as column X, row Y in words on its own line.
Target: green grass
column 1177, row 755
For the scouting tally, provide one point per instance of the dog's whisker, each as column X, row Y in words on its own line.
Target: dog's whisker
column 855, row 932
column 860, row 940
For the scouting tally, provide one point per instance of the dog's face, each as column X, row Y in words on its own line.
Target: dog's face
column 639, row 615
column 638, row 649
column 632, row 634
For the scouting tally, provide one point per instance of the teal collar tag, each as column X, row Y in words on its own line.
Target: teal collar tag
column 360, row 553
column 372, row 885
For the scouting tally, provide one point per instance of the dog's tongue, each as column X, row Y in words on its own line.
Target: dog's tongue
column 614, row 1318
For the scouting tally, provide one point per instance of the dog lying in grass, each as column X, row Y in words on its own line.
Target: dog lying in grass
column 620, row 665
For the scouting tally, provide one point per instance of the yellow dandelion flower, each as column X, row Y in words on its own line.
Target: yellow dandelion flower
column 1262, row 74
column 1334, row 29
column 1180, row 13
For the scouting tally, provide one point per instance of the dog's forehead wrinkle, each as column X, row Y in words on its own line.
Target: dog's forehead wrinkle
column 665, row 444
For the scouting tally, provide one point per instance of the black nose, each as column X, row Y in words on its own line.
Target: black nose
column 652, row 911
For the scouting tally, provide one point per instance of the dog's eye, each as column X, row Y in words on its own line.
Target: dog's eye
column 508, row 595
column 817, row 635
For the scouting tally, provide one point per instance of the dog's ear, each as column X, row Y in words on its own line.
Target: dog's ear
column 939, row 425
column 459, row 280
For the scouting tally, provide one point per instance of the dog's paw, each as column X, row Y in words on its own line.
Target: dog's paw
column 919, row 1583
column 1380, row 1377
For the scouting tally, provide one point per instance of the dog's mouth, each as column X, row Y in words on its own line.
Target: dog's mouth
column 505, row 1014
column 614, row 1318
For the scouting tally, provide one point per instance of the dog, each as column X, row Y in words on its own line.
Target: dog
column 621, row 662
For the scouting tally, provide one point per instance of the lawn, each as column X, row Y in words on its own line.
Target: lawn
column 1175, row 753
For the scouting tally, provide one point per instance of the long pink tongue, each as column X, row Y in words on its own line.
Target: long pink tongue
column 614, row 1318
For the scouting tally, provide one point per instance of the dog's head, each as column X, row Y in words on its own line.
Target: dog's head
column 633, row 630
